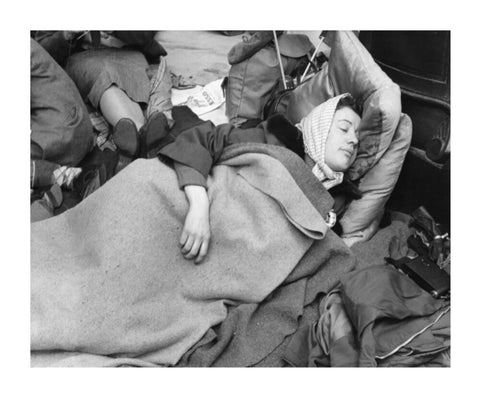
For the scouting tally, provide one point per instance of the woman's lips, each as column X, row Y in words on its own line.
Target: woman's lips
column 349, row 152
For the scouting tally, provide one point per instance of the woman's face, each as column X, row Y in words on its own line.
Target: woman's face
column 342, row 140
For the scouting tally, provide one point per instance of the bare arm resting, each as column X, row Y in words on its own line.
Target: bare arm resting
column 195, row 236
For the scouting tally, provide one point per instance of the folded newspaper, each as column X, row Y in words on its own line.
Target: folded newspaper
column 200, row 99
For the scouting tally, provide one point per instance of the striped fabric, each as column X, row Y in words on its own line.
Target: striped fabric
column 315, row 128
column 102, row 129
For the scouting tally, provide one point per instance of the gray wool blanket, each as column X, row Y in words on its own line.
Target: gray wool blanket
column 110, row 287
column 257, row 334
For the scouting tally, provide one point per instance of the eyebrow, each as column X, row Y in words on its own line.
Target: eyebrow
column 348, row 121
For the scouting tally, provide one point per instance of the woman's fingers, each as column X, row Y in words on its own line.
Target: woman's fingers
column 187, row 246
column 196, row 228
column 203, row 251
column 194, row 250
column 194, row 247
column 183, row 237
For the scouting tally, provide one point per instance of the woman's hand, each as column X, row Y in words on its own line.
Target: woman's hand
column 195, row 235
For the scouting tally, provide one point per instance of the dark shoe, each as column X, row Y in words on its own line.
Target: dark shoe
column 153, row 50
column 126, row 137
column 152, row 133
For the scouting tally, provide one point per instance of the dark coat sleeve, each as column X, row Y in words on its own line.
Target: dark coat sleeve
column 199, row 148
column 188, row 176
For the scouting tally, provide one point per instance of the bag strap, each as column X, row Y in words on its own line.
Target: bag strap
column 279, row 58
column 312, row 58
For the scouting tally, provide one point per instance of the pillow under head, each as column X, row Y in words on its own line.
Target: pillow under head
column 352, row 69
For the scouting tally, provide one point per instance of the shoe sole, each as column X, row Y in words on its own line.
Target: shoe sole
column 126, row 137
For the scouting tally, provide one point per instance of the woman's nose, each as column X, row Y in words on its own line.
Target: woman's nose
column 352, row 137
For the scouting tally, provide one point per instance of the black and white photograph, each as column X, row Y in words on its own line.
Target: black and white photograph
column 273, row 200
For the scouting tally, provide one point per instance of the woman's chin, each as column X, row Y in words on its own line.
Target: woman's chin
column 341, row 167
column 341, row 163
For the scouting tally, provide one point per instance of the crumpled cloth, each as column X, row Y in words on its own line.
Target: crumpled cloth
column 377, row 317
column 64, row 176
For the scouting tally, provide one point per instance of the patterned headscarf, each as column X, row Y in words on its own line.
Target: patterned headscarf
column 315, row 128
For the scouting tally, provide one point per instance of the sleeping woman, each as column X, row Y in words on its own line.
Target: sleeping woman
column 110, row 284
column 327, row 139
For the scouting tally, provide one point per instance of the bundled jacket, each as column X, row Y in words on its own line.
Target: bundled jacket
column 378, row 317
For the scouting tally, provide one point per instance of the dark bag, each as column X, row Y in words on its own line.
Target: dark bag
column 426, row 274
column 252, row 82
column 277, row 103
column 280, row 97
column 430, row 268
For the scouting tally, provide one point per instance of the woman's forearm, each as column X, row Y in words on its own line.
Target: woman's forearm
column 195, row 237
column 196, row 195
